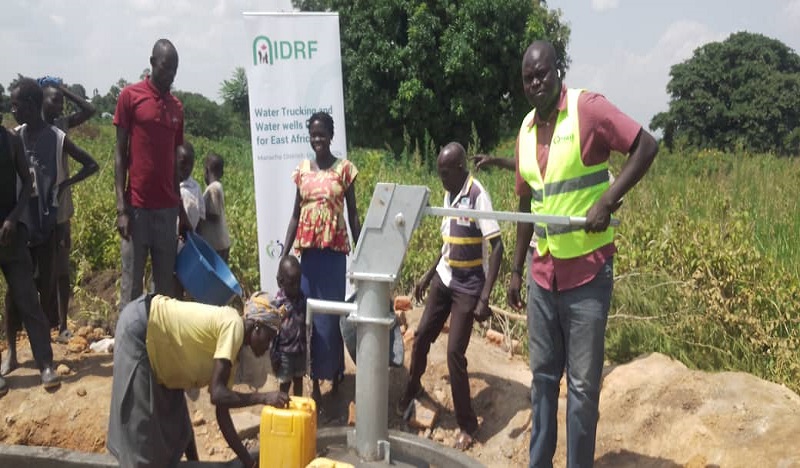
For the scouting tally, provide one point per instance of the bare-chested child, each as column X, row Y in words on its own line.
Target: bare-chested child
column 55, row 93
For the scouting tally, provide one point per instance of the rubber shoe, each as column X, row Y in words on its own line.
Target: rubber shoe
column 8, row 365
column 49, row 378
column 3, row 387
column 402, row 408
column 64, row 337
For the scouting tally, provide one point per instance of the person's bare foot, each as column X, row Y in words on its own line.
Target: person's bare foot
column 315, row 392
column 463, row 441
column 8, row 365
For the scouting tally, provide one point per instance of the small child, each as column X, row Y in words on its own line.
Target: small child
column 288, row 353
column 191, row 195
column 214, row 228
column 192, row 199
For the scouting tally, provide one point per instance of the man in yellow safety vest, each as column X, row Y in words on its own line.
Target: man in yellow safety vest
column 562, row 155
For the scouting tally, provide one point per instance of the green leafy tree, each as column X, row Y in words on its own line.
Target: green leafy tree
column 5, row 102
column 741, row 93
column 202, row 116
column 104, row 104
column 80, row 91
column 436, row 67
column 107, row 103
column 118, row 87
column 14, row 82
column 234, row 94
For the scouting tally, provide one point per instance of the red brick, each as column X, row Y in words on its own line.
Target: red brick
column 402, row 303
column 495, row 337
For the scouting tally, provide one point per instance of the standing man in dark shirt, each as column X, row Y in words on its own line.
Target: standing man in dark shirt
column 15, row 261
column 460, row 282
column 149, row 122
column 52, row 110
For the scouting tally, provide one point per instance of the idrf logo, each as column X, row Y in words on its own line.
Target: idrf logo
column 266, row 51
column 275, row 249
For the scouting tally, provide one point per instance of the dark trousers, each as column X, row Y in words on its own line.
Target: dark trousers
column 43, row 257
column 443, row 302
column 22, row 299
column 63, row 286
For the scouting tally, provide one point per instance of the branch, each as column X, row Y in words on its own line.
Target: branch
column 636, row 317
column 507, row 314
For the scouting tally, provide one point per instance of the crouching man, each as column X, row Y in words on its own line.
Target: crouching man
column 164, row 346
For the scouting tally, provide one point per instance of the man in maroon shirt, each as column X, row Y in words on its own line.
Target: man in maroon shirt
column 569, row 297
column 149, row 122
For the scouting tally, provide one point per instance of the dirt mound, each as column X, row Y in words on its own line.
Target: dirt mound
column 657, row 409
column 654, row 412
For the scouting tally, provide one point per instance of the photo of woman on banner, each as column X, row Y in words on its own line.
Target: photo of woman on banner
column 318, row 232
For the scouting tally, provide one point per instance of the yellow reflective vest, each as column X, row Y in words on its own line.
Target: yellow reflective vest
column 569, row 187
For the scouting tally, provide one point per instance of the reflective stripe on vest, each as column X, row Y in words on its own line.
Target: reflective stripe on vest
column 569, row 187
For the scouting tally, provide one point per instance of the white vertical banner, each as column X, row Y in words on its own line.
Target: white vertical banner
column 294, row 69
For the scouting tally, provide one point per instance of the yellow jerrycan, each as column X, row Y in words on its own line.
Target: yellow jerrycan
column 288, row 436
column 328, row 463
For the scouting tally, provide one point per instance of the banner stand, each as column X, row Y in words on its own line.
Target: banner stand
column 294, row 69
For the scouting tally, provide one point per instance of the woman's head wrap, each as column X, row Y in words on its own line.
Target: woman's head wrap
column 260, row 310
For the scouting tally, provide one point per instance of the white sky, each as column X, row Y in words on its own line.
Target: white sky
column 621, row 48
column 625, row 48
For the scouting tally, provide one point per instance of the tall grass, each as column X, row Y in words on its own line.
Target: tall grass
column 707, row 272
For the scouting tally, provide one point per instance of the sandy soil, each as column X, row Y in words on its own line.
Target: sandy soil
column 654, row 411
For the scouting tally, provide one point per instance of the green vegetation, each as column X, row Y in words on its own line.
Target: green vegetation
column 741, row 93
column 205, row 117
column 707, row 268
column 234, row 93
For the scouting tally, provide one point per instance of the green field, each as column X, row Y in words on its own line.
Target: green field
column 706, row 272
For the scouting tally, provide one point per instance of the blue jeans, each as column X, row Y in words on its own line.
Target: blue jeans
column 566, row 329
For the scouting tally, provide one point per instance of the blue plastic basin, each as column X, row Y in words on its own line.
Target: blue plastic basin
column 203, row 274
